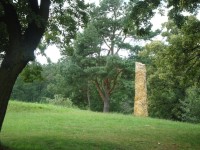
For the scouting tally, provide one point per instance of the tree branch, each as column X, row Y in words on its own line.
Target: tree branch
column 115, row 81
column 99, row 90
column 119, row 47
column 106, row 42
column 36, row 27
column 106, row 85
column 33, row 4
column 106, row 45
column 192, row 49
column 44, row 9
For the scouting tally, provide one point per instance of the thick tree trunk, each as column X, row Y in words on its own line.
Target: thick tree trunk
column 106, row 100
column 9, row 72
column 105, row 96
column 106, row 105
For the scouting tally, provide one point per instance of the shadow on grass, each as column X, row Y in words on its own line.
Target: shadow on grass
column 3, row 147
column 57, row 143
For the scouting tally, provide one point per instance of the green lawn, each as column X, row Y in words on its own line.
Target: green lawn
column 45, row 127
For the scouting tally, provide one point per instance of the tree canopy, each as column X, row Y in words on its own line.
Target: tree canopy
column 173, row 72
column 95, row 56
column 143, row 11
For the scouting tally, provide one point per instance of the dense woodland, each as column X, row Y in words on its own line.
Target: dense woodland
column 94, row 73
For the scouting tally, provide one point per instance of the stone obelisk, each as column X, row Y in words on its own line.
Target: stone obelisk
column 140, row 103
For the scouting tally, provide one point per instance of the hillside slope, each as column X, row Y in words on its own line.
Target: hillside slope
column 45, row 127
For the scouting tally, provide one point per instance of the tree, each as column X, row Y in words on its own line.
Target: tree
column 173, row 71
column 22, row 25
column 30, row 84
column 143, row 11
column 192, row 105
column 184, row 49
column 96, row 54
column 38, row 82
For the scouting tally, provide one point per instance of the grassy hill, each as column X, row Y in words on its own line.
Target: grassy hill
column 45, row 127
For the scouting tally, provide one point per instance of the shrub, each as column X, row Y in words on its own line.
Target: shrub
column 59, row 100
column 192, row 105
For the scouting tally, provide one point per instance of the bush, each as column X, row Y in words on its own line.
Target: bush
column 126, row 106
column 59, row 100
column 192, row 105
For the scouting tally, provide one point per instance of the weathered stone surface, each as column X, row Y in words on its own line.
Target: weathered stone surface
column 140, row 103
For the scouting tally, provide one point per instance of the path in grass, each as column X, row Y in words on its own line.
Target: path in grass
column 46, row 127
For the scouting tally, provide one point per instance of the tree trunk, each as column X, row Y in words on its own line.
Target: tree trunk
column 106, row 105
column 9, row 71
column 88, row 97
column 105, row 96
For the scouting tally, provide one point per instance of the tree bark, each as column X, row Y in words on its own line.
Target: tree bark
column 105, row 96
column 9, row 72
column 106, row 105
column 88, row 96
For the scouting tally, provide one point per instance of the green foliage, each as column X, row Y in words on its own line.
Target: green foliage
column 28, row 91
column 36, row 82
column 32, row 72
column 143, row 11
column 184, row 50
column 65, row 19
column 64, row 22
column 95, row 66
column 54, row 81
column 173, row 72
column 164, row 97
column 59, row 100
column 192, row 105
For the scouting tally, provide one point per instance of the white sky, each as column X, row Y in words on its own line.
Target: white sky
column 52, row 52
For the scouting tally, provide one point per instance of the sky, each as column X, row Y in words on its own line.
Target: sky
column 53, row 52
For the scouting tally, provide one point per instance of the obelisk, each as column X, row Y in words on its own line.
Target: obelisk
column 140, row 103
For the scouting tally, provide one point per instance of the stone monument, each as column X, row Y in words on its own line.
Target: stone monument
column 140, row 103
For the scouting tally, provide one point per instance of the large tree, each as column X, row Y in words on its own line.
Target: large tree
column 96, row 56
column 22, row 25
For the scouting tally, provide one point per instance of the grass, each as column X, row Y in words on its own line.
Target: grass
column 30, row 126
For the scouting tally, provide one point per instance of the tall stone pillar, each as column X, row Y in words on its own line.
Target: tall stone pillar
column 140, row 103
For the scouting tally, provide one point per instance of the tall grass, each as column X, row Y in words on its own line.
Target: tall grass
column 46, row 127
